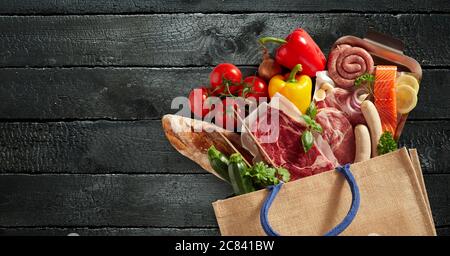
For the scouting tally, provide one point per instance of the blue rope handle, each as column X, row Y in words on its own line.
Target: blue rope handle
column 345, row 170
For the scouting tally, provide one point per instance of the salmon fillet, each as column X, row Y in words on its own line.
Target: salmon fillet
column 384, row 94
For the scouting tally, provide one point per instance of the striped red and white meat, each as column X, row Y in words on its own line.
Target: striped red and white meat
column 287, row 151
column 338, row 133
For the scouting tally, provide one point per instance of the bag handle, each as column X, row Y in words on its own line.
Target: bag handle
column 345, row 170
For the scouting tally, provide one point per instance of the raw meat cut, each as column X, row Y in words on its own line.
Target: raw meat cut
column 286, row 150
column 338, row 132
column 345, row 101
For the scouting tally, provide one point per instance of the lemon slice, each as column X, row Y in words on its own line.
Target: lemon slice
column 406, row 98
column 409, row 80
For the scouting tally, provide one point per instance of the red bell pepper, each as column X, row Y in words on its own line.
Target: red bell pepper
column 298, row 48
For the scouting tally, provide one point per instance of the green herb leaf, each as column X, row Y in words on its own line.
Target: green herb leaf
column 364, row 78
column 308, row 120
column 386, row 143
column 262, row 175
column 316, row 127
column 283, row 174
column 312, row 124
column 311, row 110
column 307, row 140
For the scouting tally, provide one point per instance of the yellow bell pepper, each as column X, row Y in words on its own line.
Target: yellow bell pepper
column 297, row 89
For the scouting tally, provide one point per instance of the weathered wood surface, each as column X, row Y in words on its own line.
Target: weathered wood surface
column 89, row 147
column 84, row 231
column 110, row 200
column 432, row 140
column 444, row 231
column 441, row 231
column 199, row 39
column 438, row 189
column 142, row 93
column 141, row 147
column 82, row 61
column 207, row 6
column 136, row 200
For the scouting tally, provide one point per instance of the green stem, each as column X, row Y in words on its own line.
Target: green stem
column 268, row 39
column 297, row 68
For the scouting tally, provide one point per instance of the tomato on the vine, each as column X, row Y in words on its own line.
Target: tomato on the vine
column 227, row 115
column 197, row 101
column 225, row 75
column 255, row 87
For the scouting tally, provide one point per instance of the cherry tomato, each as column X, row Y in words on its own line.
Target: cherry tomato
column 226, row 117
column 225, row 74
column 257, row 87
column 197, row 99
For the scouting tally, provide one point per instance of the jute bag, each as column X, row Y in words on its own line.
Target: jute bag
column 386, row 195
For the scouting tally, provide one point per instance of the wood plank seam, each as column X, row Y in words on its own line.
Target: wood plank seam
column 371, row 12
column 134, row 46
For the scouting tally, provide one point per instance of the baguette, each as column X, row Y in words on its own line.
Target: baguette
column 192, row 138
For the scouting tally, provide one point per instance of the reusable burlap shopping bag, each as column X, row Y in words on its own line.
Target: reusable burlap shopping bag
column 392, row 201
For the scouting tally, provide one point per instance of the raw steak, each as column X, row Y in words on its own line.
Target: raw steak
column 286, row 150
column 338, row 132
column 343, row 100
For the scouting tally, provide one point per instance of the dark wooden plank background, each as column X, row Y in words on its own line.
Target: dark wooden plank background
column 85, row 83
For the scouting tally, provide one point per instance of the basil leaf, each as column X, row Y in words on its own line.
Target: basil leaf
column 307, row 119
column 307, row 140
column 316, row 127
column 311, row 111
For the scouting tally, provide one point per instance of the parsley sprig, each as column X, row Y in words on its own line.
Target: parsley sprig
column 386, row 143
column 367, row 78
column 262, row 175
